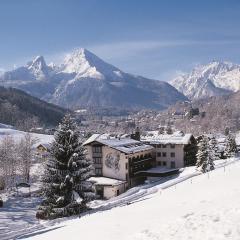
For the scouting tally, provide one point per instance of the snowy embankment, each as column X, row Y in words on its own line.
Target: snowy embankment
column 134, row 194
column 205, row 206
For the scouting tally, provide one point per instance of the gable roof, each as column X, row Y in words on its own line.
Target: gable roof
column 45, row 145
column 126, row 145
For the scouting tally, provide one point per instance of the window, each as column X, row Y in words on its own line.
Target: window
column 97, row 149
column 126, row 177
column 97, row 160
column 98, row 171
column 172, row 154
column 172, row 146
column 164, row 163
column 164, row 154
column 159, row 163
column 164, row 146
column 126, row 166
column 159, row 154
column 159, row 145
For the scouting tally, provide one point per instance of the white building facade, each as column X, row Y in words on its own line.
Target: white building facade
column 175, row 150
column 117, row 162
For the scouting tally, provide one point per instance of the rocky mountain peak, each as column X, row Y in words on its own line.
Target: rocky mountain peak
column 213, row 79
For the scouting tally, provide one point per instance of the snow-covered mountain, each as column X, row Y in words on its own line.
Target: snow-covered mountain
column 213, row 79
column 34, row 70
column 83, row 79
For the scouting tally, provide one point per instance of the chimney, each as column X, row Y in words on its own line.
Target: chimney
column 136, row 135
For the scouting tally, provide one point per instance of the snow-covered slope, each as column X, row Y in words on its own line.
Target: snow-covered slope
column 83, row 79
column 18, row 135
column 213, row 79
column 206, row 207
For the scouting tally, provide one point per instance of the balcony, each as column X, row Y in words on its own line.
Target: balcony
column 140, row 161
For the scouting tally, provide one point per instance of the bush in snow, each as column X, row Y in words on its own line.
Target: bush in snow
column 231, row 147
column 204, row 156
column 65, row 184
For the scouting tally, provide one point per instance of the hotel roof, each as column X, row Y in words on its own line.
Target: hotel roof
column 153, row 137
column 126, row 145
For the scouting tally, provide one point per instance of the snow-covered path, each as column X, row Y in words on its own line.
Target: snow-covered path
column 17, row 215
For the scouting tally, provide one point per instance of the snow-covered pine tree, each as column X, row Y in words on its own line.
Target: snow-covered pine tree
column 204, row 160
column 213, row 149
column 231, row 147
column 81, row 169
column 66, row 174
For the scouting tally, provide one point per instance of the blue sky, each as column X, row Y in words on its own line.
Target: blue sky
column 153, row 38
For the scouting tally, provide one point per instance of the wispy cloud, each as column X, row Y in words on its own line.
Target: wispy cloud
column 128, row 49
column 133, row 48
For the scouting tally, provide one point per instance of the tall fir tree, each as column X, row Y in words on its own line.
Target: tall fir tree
column 65, row 187
column 213, row 149
column 231, row 147
column 204, row 160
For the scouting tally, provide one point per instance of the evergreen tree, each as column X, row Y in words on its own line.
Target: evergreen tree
column 204, row 160
column 213, row 149
column 65, row 187
column 191, row 153
column 169, row 130
column 231, row 147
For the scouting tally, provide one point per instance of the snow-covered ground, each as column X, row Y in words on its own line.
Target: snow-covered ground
column 17, row 218
column 18, row 213
column 206, row 207
column 17, row 135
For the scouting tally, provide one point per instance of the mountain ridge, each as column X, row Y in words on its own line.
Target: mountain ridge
column 213, row 79
column 85, row 80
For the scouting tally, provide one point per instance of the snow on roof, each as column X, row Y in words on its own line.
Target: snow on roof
column 91, row 139
column 106, row 181
column 176, row 138
column 45, row 145
column 126, row 145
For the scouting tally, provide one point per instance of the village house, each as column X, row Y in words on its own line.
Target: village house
column 175, row 150
column 42, row 150
column 117, row 162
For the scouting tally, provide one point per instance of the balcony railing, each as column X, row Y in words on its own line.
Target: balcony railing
column 137, row 161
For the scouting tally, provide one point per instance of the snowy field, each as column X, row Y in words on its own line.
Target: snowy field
column 18, row 135
column 206, row 207
column 140, row 206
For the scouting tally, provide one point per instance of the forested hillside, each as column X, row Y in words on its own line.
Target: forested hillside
column 19, row 109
